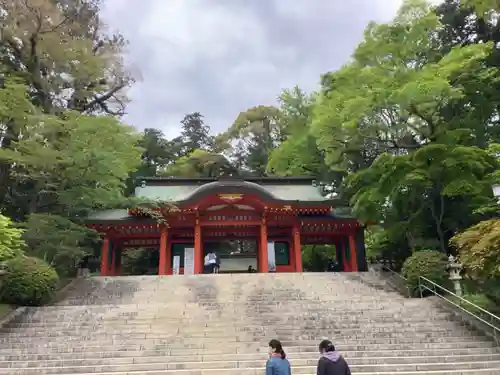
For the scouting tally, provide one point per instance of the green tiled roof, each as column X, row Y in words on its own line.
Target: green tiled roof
column 171, row 193
column 109, row 215
column 176, row 193
column 179, row 190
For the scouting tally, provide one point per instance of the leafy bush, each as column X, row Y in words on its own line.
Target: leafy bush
column 11, row 243
column 479, row 249
column 28, row 282
column 58, row 241
column 430, row 264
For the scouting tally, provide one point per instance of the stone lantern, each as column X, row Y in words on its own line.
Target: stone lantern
column 454, row 268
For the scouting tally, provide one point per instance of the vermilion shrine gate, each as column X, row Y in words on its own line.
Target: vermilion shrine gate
column 288, row 211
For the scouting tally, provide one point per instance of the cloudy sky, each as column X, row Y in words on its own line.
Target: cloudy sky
column 219, row 57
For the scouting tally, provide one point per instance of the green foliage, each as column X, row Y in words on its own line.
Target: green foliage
column 28, row 282
column 427, row 263
column 58, row 241
column 387, row 245
column 200, row 163
column 481, row 300
column 72, row 170
column 315, row 258
column 11, row 243
column 479, row 249
column 139, row 261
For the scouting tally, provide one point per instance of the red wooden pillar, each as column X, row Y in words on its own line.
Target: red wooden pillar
column 198, row 253
column 162, row 263
column 354, row 258
column 263, row 257
column 105, row 256
column 297, row 248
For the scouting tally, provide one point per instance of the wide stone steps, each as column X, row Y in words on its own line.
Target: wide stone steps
column 200, row 346
column 489, row 367
column 310, row 359
column 123, row 357
column 221, row 324
column 193, row 332
column 241, row 336
column 228, row 367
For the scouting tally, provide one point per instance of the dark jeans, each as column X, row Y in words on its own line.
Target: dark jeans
column 209, row 268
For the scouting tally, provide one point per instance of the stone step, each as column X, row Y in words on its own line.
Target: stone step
column 238, row 337
column 222, row 355
column 309, row 359
column 230, row 318
column 242, row 307
column 240, row 322
column 239, row 299
column 147, row 327
column 167, row 345
column 151, row 332
column 257, row 369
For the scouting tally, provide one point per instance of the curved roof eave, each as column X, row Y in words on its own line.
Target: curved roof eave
column 244, row 187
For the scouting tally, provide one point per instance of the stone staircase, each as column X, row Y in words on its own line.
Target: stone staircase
column 221, row 324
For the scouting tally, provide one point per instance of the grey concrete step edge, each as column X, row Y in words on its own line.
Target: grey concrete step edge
column 346, row 323
column 158, row 344
column 454, row 368
column 446, row 324
column 347, row 319
column 238, row 350
column 174, row 339
column 104, row 328
column 239, row 336
column 310, row 360
column 152, row 333
column 149, row 356
column 199, row 311
column 215, row 316
column 310, row 364
column 236, row 300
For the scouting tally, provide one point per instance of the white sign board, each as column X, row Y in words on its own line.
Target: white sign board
column 271, row 257
column 189, row 261
column 177, row 264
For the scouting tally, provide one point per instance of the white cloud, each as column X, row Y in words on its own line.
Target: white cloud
column 221, row 57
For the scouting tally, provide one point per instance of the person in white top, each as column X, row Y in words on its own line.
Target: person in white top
column 210, row 260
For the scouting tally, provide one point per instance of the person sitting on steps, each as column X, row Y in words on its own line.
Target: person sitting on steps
column 331, row 362
column 277, row 364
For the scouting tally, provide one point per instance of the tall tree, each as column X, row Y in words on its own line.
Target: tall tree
column 254, row 134
column 383, row 118
column 62, row 50
column 195, row 134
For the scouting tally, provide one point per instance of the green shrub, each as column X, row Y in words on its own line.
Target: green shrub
column 28, row 282
column 430, row 264
column 11, row 243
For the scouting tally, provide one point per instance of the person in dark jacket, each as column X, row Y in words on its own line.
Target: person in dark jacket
column 331, row 362
column 277, row 364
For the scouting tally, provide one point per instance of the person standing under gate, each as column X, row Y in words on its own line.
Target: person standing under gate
column 217, row 263
column 210, row 260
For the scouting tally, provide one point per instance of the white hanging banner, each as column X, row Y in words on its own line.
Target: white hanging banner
column 189, row 261
column 177, row 264
column 271, row 257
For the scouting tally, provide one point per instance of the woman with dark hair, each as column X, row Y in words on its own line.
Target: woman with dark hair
column 331, row 362
column 277, row 364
